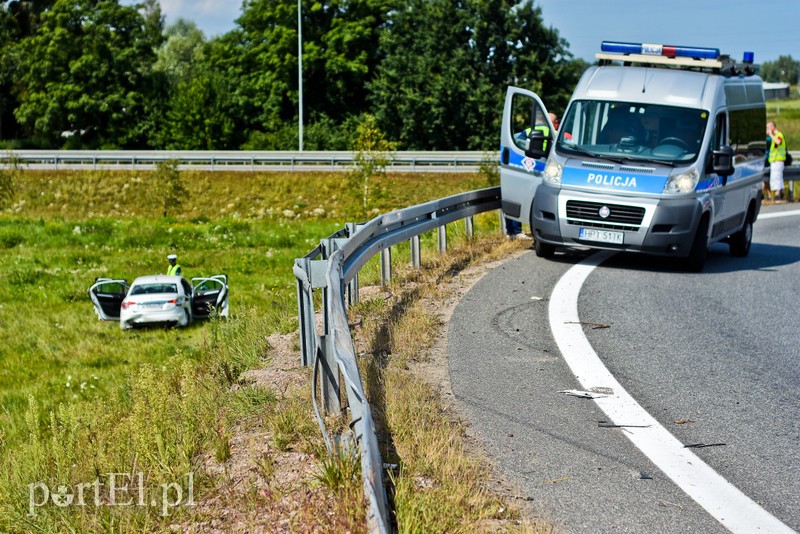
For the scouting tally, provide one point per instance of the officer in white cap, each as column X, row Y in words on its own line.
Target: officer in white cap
column 173, row 269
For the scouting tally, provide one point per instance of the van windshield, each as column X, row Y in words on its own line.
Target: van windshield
column 633, row 131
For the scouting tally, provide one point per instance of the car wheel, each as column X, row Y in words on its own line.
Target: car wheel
column 187, row 318
column 697, row 254
column 740, row 242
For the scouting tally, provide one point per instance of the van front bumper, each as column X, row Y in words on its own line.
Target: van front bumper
column 664, row 227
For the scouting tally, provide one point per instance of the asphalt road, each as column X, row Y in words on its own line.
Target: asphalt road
column 713, row 357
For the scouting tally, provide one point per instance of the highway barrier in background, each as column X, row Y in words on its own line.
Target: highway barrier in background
column 240, row 160
column 333, row 266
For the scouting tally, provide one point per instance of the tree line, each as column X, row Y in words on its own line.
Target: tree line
column 94, row 74
column 431, row 74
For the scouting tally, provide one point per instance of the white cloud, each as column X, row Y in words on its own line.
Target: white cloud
column 214, row 17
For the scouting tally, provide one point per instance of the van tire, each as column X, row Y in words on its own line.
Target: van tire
column 697, row 254
column 544, row 250
column 739, row 242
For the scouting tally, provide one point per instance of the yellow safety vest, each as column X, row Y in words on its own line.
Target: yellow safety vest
column 545, row 129
column 777, row 152
column 173, row 270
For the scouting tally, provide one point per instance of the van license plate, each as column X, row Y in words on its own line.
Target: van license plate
column 603, row 236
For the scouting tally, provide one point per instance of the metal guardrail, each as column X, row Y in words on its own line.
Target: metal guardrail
column 238, row 160
column 333, row 266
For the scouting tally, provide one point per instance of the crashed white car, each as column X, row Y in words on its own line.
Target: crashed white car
column 159, row 299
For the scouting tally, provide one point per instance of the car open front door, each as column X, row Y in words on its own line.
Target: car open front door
column 209, row 294
column 107, row 295
column 520, row 170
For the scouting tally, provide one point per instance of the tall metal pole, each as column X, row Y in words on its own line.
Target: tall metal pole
column 300, row 68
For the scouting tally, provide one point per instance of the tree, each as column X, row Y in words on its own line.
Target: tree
column 84, row 72
column 9, row 171
column 169, row 186
column 373, row 153
column 447, row 64
column 785, row 70
column 340, row 52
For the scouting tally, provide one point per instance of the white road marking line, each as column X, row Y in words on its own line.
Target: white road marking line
column 777, row 214
column 732, row 508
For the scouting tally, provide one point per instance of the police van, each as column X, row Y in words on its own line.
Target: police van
column 661, row 151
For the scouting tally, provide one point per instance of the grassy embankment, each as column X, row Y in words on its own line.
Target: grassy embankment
column 81, row 399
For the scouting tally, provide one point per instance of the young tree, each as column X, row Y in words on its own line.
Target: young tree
column 9, row 170
column 169, row 186
column 373, row 153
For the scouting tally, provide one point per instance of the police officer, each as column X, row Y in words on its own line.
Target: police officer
column 777, row 161
column 173, row 269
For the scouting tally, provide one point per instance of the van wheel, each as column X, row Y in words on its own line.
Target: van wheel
column 544, row 250
column 697, row 254
column 739, row 242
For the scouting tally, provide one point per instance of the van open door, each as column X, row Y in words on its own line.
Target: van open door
column 210, row 294
column 107, row 295
column 526, row 137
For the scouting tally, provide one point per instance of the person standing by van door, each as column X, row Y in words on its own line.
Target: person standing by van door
column 514, row 228
column 777, row 160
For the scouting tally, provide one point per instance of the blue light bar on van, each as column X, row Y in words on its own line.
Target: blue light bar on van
column 659, row 50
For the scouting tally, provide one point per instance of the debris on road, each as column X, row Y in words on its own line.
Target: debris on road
column 606, row 424
column 582, row 394
column 703, row 445
column 595, row 326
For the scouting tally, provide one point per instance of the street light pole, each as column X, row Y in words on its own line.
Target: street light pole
column 300, row 69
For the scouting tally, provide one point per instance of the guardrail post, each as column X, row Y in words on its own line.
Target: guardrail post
column 469, row 226
column 352, row 287
column 442, row 238
column 330, row 376
column 386, row 266
column 502, row 222
column 305, row 312
column 415, row 255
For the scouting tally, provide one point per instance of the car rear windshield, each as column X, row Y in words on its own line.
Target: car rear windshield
column 152, row 289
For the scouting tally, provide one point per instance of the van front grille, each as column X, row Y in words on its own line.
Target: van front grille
column 581, row 212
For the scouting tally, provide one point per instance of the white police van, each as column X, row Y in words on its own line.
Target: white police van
column 661, row 150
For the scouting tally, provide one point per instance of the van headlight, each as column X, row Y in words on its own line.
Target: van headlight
column 552, row 172
column 682, row 182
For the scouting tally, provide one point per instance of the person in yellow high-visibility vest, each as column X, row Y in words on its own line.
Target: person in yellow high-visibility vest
column 777, row 160
column 173, row 269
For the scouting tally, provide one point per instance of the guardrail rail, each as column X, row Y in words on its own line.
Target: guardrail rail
column 239, row 160
column 333, row 266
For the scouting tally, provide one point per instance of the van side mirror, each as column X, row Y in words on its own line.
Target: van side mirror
column 722, row 161
column 537, row 145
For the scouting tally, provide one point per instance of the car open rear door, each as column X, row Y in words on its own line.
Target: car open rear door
column 107, row 295
column 210, row 295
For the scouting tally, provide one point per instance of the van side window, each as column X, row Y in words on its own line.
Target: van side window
column 526, row 115
column 720, row 132
column 747, row 133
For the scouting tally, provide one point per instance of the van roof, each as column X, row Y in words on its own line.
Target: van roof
column 671, row 87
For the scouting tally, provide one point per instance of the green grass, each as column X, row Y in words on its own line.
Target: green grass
column 79, row 397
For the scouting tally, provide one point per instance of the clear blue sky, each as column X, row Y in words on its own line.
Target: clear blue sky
column 769, row 29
